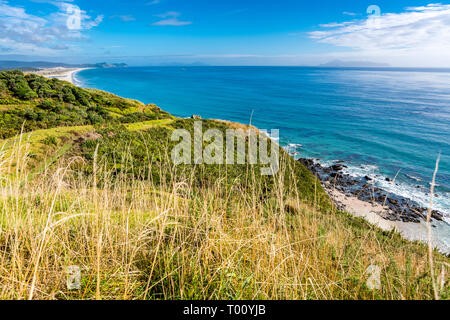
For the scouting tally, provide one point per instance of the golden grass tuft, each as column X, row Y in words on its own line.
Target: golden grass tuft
column 134, row 239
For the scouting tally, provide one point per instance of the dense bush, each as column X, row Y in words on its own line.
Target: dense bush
column 18, row 85
column 40, row 86
column 3, row 89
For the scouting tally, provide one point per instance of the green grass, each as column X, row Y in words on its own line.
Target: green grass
column 142, row 126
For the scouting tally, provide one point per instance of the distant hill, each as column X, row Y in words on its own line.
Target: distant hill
column 181, row 64
column 354, row 64
column 24, row 65
column 109, row 65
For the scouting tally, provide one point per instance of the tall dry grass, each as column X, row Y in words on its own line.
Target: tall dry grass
column 135, row 239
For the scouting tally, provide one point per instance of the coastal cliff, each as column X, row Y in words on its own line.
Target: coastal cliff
column 87, row 180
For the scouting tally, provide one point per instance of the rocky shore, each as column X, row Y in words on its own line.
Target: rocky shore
column 395, row 208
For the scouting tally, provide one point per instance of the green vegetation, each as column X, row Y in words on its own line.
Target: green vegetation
column 149, row 149
column 106, row 196
column 33, row 102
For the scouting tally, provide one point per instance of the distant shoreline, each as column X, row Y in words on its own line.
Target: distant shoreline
column 61, row 73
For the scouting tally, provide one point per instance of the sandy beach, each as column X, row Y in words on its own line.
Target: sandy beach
column 61, row 73
column 374, row 212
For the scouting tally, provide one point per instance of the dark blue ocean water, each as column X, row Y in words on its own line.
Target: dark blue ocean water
column 377, row 121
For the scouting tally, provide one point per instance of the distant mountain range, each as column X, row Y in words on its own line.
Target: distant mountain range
column 354, row 64
column 181, row 64
column 29, row 65
column 45, row 64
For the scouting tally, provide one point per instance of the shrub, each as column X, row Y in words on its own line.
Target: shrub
column 50, row 140
column 3, row 89
column 47, row 105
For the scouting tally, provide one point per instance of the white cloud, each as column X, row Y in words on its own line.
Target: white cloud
column 170, row 19
column 419, row 34
column 89, row 24
column 152, row 3
column 125, row 18
column 335, row 24
column 172, row 22
column 21, row 31
column 172, row 14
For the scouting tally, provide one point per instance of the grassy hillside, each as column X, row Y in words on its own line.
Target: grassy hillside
column 106, row 196
column 35, row 102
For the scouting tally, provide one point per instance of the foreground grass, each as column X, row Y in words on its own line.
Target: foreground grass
column 137, row 237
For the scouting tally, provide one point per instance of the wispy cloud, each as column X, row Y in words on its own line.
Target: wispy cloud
column 124, row 18
column 417, row 27
column 152, row 3
column 346, row 13
column 20, row 31
column 172, row 14
column 170, row 19
column 423, row 30
column 335, row 24
column 172, row 22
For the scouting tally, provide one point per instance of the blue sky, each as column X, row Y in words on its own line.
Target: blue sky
column 264, row 32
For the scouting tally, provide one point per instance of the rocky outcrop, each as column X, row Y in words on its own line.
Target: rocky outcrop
column 398, row 208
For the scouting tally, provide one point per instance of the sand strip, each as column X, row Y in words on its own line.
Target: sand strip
column 373, row 213
column 61, row 73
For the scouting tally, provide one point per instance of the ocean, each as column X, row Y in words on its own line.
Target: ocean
column 378, row 121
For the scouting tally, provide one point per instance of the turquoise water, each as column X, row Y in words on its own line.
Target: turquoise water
column 377, row 121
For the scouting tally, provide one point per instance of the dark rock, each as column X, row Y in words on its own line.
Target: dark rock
column 437, row 215
column 407, row 218
column 393, row 201
column 327, row 170
column 400, row 209
column 308, row 163
column 337, row 167
column 335, row 175
column 417, row 213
